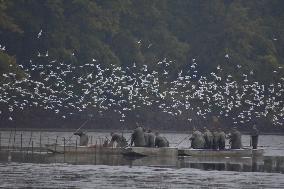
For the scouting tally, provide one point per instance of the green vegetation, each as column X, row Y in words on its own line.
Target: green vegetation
column 124, row 31
column 229, row 33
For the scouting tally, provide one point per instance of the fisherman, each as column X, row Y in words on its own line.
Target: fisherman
column 222, row 139
column 197, row 139
column 254, row 137
column 216, row 139
column 146, row 136
column 161, row 141
column 119, row 139
column 235, row 139
column 149, row 139
column 208, row 137
column 83, row 138
column 137, row 137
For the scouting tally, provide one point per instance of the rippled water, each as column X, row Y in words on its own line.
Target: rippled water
column 88, row 171
column 102, row 176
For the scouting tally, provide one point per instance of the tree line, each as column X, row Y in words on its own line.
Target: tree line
column 123, row 32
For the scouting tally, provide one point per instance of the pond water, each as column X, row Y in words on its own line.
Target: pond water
column 41, row 170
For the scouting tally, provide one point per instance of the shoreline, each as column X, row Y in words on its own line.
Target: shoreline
column 111, row 130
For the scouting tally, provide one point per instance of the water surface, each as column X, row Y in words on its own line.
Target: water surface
column 40, row 170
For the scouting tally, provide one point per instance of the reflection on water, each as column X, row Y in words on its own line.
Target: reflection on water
column 246, row 164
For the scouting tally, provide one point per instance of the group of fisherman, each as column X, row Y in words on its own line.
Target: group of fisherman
column 140, row 138
column 215, row 139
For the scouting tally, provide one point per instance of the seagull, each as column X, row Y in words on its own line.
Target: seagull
column 39, row 34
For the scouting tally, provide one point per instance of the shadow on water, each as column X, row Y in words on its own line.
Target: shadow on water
column 260, row 164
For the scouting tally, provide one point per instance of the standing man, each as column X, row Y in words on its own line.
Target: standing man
column 222, row 139
column 235, row 139
column 197, row 139
column 151, row 139
column 138, row 138
column 208, row 137
column 216, row 139
column 254, row 137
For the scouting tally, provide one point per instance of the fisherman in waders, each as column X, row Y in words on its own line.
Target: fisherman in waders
column 254, row 137
column 84, row 139
column 138, row 138
column 119, row 139
column 197, row 139
column 208, row 137
column 235, row 139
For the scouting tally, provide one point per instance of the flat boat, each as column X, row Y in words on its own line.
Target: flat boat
column 146, row 151
column 244, row 152
column 61, row 149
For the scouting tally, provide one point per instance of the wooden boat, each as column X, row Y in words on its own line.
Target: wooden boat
column 244, row 152
column 146, row 151
column 55, row 148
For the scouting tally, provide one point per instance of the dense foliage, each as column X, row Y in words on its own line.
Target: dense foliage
column 229, row 33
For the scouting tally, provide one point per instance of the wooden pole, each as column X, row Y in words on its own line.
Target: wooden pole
column 30, row 140
column 21, row 142
column 76, row 157
column 55, row 143
column 96, row 153
column 32, row 148
column 14, row 140
column 64, row 148
column 0, row 141
column 10, row 139
column 64, row 145
column 40, row 142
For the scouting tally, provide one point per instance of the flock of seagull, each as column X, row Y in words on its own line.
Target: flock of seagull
column 71, row 89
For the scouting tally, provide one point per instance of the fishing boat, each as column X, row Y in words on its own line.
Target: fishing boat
column 244, row 152
column 146, row 151
column 61, row 149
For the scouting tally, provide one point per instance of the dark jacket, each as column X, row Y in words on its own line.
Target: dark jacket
column 236, row 140
column 197, row 140
column 208, row 137
column 138, row 138
column 161, row 142
column 222, row 140
column 149, row 139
